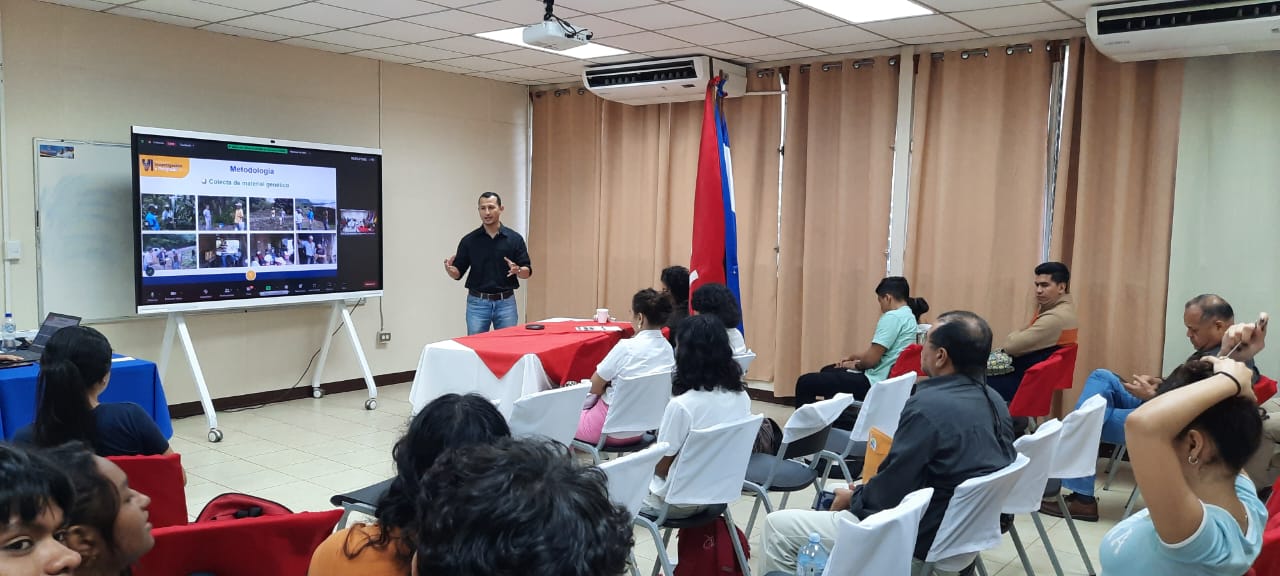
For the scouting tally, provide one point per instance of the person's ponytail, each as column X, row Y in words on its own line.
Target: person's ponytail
column 919, row 306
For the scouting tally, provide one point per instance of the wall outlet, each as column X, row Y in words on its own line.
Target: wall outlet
column 384, row 337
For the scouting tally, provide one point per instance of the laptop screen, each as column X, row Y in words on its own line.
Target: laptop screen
column 52, row 323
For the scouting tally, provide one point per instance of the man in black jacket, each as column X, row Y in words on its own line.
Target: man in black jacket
column 954, row 428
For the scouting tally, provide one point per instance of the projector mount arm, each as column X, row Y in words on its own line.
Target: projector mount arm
column 570, row 30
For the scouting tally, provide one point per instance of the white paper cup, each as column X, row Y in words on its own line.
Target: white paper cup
column 602, row 315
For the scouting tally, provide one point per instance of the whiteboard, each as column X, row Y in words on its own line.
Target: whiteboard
column 84, row 231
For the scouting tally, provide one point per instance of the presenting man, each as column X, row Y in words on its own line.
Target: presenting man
column 498, row 260
column 1054, row 326
column 954, row 428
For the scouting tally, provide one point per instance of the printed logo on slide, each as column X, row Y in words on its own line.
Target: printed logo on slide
column 164, row 166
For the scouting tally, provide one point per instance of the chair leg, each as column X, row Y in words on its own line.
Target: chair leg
column 1022, row 552
column 783, row 505
column 737, row 545
column 1116, row 456
column 761, row 495
column 631, row 563
column 663, row 562
column 1048, row 546
column 1071, row 523
column 981, row 568
column 1133, row 499
column 926, row 569
column 346, row 513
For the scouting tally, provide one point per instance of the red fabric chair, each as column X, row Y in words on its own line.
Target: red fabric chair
column 160, row 478
column 1034, row 397
column 263, row 546
column 1264, row 389
column 1268, row 562
column 908, row 361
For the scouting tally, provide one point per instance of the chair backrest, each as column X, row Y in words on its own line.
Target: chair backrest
column 1040, row 449
column 812, row 418
column 882, row 543
column 160, row 478
column 550, row 413
column 638, row 404
column 972, row 521
column 262, row 546
column 1264, row 389
column 1077, row 454
column 712, row 464
column 1034, row 397
column 745, row 360
column 629, row 476
column 883, row 407
column 908, row 361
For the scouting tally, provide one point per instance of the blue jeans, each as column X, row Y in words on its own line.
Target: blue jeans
column 481, row 313
column 1120, row 403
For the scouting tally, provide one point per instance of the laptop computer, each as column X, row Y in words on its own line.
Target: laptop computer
column 52, row 323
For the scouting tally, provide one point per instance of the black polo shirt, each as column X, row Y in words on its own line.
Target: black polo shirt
column 485, row 256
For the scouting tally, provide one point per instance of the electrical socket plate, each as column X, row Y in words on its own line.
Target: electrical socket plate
column 384, row 337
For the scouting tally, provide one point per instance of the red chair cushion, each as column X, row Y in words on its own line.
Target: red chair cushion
column 262, row 546
column 1034, row 397
column 160, row 478
column 908, row 361
column 1268, row 562
column 1264, row 389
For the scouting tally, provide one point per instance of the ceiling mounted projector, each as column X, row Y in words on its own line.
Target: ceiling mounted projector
column 556, row 34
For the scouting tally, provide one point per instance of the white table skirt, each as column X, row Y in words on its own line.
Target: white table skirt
column 449, row 367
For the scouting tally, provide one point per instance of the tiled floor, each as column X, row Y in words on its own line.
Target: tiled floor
column 302, row 452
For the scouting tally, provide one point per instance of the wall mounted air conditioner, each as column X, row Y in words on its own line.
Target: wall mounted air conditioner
column 660, row 81
column 1158, row 29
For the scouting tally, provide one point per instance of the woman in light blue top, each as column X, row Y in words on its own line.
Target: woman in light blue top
column 1188, row 446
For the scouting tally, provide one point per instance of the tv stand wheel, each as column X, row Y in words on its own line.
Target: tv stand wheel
column 371, row 404
column 215, row 435
column 317, row 393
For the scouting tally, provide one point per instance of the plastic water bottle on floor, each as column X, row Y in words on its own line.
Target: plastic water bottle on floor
column 10, row 333
column 812, row 559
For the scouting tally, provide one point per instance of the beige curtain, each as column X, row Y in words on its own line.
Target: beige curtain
column 1118, row 209
column 837, row 185
column 978, row 180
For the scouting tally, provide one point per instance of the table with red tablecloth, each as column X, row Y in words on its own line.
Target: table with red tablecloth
column 507, row 364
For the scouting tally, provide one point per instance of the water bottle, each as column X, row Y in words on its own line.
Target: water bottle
column 812, row 559
column 10, row 332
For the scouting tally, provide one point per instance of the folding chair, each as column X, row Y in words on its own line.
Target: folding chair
column 629, row 482
column 804, row 435
column 1025, row 496
column 552, row 414
column 1077, row 456
column 709, row 471
column 745, row 360
column 1034, row 397
column 364, row 500
column 881, row 409
column 637, row 409
column 972, row 521
column 160, row 478
column 262, row 546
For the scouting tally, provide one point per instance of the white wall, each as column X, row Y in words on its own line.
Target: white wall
column 1227, row 199
column 83, row 75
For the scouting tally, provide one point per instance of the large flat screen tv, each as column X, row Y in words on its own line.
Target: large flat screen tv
column 232, row 222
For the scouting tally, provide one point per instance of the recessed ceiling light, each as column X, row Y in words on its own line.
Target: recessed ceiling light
column 859, row 11
column 516, row 36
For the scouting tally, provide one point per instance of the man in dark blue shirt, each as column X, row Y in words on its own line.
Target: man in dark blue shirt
column 498, row 259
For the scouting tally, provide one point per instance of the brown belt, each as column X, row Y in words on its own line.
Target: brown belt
column 498, row 296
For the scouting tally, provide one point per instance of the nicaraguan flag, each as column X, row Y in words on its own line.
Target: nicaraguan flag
column 715, row 220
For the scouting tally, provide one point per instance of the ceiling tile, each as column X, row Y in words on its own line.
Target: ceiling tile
column 1009, row 16
column 245, row 32
column 517, row 11
column 530, row 73
column 658, row 16
column 692, row 51
column 1077, row 8
column 646, row 41
column 456, row 3
column 421, row 52
column 388, row 8
column 441, row 67
column 790, row 22
column 867, row 47
column 190, row 9
column 603, row 27
column 527, row 57
column 277, row 25
column 375, row 55
column 494, row 76
column 841, row 36
column 616, row 58
column 354, row 39
column 960, row 5
column 735, row 9
column 598, row 6
column 1032, row 28
column 941, row 38
column 83, row 4
column 461, row 22
column 470, row 45
column 305, row 43
column 326, row 15
column 711, row 33
column 478, row 64
column 158, row 17
column 759, row 46
column 916, row 26
column 254, row 5
column 791, row 55
column 403, row 31
column 569, row 68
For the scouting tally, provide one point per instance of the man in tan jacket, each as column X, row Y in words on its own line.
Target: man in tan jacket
column 1054, row 326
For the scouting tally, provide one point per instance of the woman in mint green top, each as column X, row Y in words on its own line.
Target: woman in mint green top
column 855, row 373
column 1188, row 446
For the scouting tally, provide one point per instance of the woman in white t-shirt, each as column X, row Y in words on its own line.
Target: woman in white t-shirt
column 707, row 390
column 644, row 354
column 1188, row 446
column 716, row 300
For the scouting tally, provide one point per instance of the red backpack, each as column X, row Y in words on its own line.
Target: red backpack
column 234, row 506
column 707, row 550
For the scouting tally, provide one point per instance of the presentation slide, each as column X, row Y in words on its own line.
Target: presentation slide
column 228, row 222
